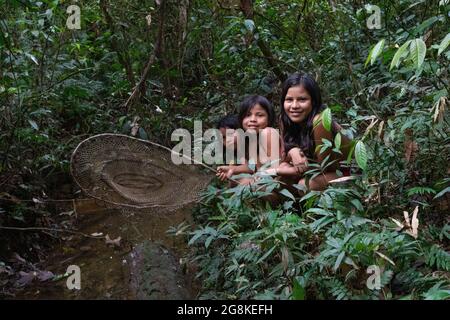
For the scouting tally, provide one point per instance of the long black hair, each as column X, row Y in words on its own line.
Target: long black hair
column 251, row 101
column 300, row 134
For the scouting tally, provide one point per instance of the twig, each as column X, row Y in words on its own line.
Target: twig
column 51, row 229
column 139, row 88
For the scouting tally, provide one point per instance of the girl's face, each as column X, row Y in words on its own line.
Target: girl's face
column 297, row 104
column 257, row 118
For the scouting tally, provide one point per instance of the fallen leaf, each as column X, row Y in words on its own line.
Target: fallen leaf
column 26, row 278
column 380, row 130
column 45, row 275
column 399, row 224
column 97, row 234
column 343, row 179
column 414, row 232
column 406, row 216
column 411, row 146
column 66, row 213
column 114, row 242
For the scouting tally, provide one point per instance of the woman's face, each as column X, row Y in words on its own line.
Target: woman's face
column 257, row 118
column 297, row 104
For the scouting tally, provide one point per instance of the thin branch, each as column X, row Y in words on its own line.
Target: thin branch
column 139, row 89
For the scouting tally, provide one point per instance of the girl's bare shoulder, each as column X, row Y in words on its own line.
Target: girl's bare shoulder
column 269, row 131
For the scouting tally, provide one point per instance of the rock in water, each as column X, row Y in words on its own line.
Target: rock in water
column 155, row 274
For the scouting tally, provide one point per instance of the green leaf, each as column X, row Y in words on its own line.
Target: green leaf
column 361, row 155
column 33, row 124
column 143, row 134
column 299, row 292
column 440, row 194
column 33, row 58
column 286, row 193
column 326, row 119
column 337, row 141
column 426, row 24
column 339, row 260
column 249, row 24
column 437, row 293
column 266, row 255
column 418, row 51
column 444, row 44
column 375, row 52
column 401, row 53
column 208, row 241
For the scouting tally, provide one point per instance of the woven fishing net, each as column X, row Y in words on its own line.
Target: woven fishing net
column 134, row 175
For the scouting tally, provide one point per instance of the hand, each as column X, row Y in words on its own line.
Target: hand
column 225, row 172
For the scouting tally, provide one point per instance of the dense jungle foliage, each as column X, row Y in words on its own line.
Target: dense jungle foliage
column 147, row 67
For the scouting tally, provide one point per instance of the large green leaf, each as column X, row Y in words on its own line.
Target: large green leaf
column 401, row 53
column 418, row 51
column 444, row 44
column 361, row 155
column 326, row 119
column 375, row 52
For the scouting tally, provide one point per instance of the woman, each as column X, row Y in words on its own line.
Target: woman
column 302, row 132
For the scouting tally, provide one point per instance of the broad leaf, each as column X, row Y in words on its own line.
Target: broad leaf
column 361, row 155
column 444, row 44
column 401, row 53
column 375, row 52
column 326, row 119
column 418, row 52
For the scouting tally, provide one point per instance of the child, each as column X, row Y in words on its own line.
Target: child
column 257, row 116
column 303, row 130
column 227, row 127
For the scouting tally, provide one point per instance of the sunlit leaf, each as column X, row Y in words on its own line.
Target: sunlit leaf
column 361, row 155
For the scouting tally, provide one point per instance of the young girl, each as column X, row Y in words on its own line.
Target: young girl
column 255, row 115
column 227, row 127
column 303, row 130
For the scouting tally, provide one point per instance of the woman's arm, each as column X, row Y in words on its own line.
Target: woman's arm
column 319, row 133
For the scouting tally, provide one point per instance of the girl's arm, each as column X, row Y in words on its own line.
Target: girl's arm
column 296, row 165
column 270, row 147
column 226, row 172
